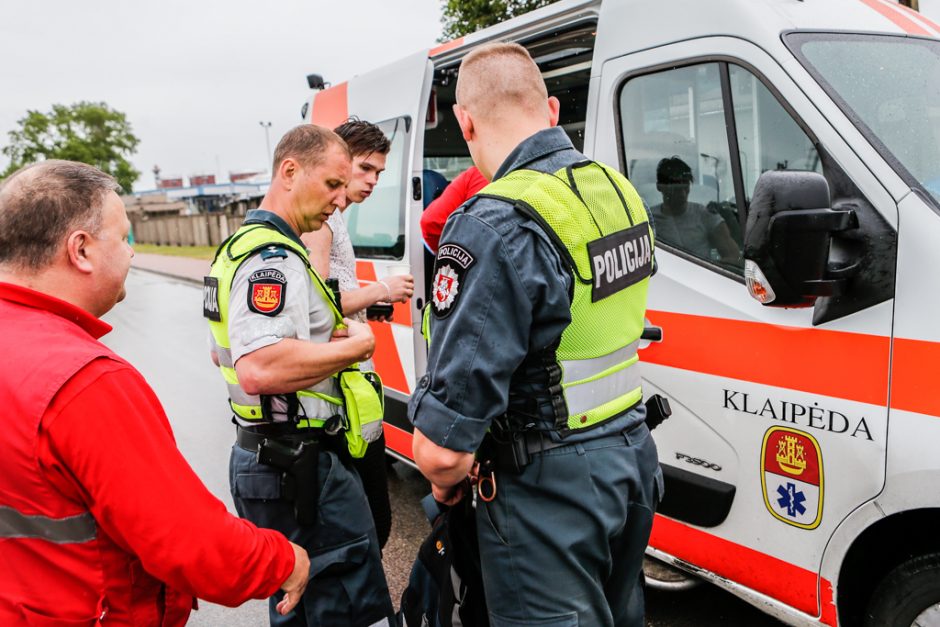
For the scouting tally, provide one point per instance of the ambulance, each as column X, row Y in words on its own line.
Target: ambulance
column 789, row 152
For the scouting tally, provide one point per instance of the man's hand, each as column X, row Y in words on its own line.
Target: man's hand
column 360, row 332
column 401, row 287
column 441, row 466
column 452, row 495
column 297, row 581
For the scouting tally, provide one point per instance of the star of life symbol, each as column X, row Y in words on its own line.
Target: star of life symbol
column 791, row 500
column 446, row 287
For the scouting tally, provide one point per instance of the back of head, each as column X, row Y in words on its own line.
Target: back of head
column 306, row 144
column 41, row 204
column 673, row 170
column 363, row 138
column 500, row 78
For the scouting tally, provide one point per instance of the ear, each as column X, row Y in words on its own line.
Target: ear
column 465, row 121
column 554, row 110
column 288, row 171
column 76, row 248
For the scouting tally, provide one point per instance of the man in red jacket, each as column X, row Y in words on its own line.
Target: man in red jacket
column 102, row 521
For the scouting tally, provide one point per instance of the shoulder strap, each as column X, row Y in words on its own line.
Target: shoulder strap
column 280, row 238
column 522, row 180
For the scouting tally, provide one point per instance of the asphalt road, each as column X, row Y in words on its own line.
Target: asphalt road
column 159, row 329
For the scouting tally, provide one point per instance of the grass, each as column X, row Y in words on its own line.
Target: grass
column 195, row 252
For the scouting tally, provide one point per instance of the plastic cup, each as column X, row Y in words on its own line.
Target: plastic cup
column 396, row 269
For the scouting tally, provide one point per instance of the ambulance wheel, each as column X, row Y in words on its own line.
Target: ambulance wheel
column 661, row 576
column 909, row 596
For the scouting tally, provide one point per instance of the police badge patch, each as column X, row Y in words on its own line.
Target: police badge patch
column 450, row 270
column 266, row 291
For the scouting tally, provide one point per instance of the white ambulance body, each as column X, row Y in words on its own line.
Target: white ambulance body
column 801, row 457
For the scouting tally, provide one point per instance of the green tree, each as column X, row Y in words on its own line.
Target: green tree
column 89, row 132
column 466, row 16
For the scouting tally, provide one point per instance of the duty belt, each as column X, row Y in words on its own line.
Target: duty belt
column 512, row 450
column 251, row 439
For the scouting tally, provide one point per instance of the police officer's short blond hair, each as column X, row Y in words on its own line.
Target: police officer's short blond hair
column 497, row 76
column 307, row 144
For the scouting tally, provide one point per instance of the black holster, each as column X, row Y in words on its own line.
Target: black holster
column 505, row 450
column 298, row 468
column 657, row 410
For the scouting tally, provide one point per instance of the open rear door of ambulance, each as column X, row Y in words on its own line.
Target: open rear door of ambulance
column 384, row 227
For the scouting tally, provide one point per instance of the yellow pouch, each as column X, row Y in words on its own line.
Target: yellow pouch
column 365, row 408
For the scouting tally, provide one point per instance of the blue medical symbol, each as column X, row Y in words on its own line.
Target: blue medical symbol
column 791, row 499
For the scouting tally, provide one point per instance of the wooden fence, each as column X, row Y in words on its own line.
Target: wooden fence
column 198, row 230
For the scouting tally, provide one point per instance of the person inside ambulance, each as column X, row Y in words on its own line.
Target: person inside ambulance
column 537, row 307
column 689, row 226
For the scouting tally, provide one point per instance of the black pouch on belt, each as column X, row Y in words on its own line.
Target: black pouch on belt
column 507, row 450
column 299, row 475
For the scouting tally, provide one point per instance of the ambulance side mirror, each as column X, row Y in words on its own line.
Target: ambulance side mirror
column 787, row 239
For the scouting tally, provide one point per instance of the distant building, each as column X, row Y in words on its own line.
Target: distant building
column 210, row 197
column 153, row 204
column 174, row 183
column 201, row 179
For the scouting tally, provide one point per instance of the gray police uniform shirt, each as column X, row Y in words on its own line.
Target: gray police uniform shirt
column 498, row 308
column 305, row 316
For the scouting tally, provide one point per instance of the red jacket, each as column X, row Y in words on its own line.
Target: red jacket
column 467, row 183
column 101, row 518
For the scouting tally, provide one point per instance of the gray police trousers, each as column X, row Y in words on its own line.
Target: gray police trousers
column 562, row 544
column 347, row 585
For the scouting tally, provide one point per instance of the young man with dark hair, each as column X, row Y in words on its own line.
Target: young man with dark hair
column 332, row 254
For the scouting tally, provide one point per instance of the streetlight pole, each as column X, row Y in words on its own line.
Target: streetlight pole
column 267, row 140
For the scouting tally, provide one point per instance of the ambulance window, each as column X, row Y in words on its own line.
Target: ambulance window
column 377, row 225
column 768, row 137
column 677, row 156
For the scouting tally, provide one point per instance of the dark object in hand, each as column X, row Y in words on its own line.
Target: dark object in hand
column 380, row 311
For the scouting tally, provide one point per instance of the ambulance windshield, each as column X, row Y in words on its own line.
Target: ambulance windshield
column 890, row 87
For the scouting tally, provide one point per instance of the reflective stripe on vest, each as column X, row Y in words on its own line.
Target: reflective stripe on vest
column 248, row 240
column 69, row 530
column 601, row 230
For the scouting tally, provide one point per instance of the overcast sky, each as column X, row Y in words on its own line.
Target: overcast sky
column 195, row 78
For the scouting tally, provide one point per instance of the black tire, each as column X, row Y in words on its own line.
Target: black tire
column 906, row 593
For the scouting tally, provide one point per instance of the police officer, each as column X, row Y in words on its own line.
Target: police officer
column 279, row 339
column 537, row 304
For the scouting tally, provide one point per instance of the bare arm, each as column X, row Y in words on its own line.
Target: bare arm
column 290, row 365
column 357, row 300
column 391, row 289
column 319, row 242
